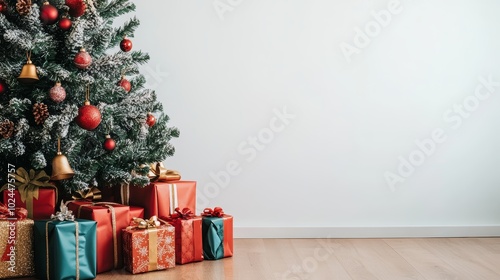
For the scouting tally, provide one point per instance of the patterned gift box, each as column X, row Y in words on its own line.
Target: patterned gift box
column 149, row 249
column 111, row 218
column 16, row 252
column 217, row 229
column 188, row 236
column 65, row 249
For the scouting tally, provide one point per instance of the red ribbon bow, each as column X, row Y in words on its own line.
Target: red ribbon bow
column 216, row 212
column 18, row 213
column 185, row 214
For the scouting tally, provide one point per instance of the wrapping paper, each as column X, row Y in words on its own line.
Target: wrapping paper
column 136, row 212
column 188, row 240
column 41, row 207
column 65, row 249
column 155, row 198
column 217, row 237
column 22, row 264
column 149, row 249
column 111, row 218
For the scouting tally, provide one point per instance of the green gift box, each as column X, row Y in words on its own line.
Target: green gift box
column 217, row 232
column 65, row 249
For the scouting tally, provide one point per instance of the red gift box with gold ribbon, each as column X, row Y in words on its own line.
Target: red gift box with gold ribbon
column 188, row 236
column 148, row 246
column 111, row 218
column 155, row 198
column 34, row 192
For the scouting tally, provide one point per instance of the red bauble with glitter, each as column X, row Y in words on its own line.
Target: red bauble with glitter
column 3, row 6
column 76, row 7
column 65, row 24
column 3, row 87
column 150, row 120
column 125, row 84
column 48, row 13
column 109, row 144
column 89, row 116
column 82, row 59
column 126, row 45
column 57, row 93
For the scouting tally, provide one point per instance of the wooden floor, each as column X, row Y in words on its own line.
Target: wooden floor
column 257, row 259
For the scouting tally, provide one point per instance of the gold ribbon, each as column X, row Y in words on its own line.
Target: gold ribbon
column 76, row 250
column 158, row 172
column 113, row 225
column 28, row 185
column 138, row 223
column 89, row 194
column 153, row 249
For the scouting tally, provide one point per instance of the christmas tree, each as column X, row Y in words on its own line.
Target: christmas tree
column 79, row 56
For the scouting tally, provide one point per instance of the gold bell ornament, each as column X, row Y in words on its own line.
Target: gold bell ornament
column 28, row 73
column 61, row 170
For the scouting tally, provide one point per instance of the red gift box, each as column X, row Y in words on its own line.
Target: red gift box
column 136, row 212
column 111, row 218
column 188, row 241
column 155, row 198
column 40, row 205
column 149, row 249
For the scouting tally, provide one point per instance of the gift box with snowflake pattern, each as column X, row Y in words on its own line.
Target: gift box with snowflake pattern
column 149, row 249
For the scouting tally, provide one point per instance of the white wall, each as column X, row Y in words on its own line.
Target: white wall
column 222, row 76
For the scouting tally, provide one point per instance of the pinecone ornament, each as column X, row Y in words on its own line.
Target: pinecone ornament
column 23, row 7
column 6, row 129
column 41, row 113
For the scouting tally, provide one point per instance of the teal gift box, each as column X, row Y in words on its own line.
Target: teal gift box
column 217, row 232
column 65, row 249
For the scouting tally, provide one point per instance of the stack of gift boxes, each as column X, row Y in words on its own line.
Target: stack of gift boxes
column 139, row 228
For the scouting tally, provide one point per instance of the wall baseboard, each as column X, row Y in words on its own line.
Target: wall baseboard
column 367, row 232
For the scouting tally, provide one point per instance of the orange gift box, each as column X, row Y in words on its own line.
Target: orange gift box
column 111, row 219
column 155, row 198
column 149, row 249
column 38, row 208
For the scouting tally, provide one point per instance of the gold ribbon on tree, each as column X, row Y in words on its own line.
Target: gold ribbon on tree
column 28, row 184
column 88, row 194
column 158, row 172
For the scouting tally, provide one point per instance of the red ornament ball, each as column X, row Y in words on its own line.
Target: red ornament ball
column 65, row 24
column 125, row 84
column 82, row 59
column 150, row 120
column 109, row 144
column 57, row 93
column 126, row 45
column 3, row 87
column 89, row 117
column 3, row 6
column 48, row 13
column 76, row 7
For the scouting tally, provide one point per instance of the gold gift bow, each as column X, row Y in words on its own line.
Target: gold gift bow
column 113, row 225
column 76, row 250
column 89, row 194
column 28, row 184
column 139, row 223
column 158, row 172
